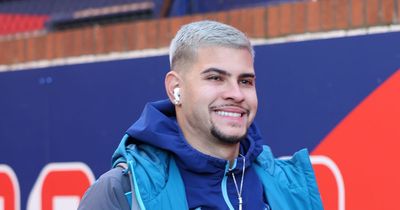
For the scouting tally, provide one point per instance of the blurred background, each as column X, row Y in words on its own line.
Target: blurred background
column 74, row 75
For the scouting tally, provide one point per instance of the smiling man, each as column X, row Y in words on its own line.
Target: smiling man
column 200, row 149
column 218, row 99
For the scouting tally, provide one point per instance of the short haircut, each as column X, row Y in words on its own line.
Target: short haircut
column 191, row 37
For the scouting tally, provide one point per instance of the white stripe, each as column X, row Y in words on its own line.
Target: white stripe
column 331, row 165
column 2, row 205
column 328, row 35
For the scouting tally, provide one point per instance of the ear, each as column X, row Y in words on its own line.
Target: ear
column 172, row 81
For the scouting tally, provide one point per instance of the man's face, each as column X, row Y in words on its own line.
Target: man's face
column 219, row 99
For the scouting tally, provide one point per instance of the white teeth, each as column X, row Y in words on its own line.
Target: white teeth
column 228, row 114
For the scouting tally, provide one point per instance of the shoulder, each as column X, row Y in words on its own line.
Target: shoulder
column 115, row 178
column 292, row 175
column 108, row 192
column 297, row 169
column 299, row 161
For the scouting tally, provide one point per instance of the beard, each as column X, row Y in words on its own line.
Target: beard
column 226, row 139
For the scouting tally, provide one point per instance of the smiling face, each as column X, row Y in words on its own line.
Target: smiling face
column 218, row 95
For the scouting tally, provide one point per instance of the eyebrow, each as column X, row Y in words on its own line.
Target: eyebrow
column 226, row 73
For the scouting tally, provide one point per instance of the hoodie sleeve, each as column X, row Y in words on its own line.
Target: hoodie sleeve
column 107, row 193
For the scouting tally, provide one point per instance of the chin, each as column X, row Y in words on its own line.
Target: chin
column 228, row 136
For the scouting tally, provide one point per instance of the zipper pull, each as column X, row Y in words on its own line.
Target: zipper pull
column 240, row 202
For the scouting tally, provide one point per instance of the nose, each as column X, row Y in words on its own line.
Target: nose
column 234, row 92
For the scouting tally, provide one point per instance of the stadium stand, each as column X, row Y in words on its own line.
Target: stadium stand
column 180, row 8
column 281, row 19
column 27, row 15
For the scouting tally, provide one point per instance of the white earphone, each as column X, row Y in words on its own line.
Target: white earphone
column 177, row 96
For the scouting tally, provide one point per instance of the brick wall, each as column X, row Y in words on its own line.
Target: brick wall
column 261, row 22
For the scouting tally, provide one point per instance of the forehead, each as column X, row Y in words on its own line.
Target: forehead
column 229, row 59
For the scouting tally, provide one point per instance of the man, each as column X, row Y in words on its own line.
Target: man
column 200, row 149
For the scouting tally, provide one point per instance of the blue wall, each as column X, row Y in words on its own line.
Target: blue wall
column 80, row 112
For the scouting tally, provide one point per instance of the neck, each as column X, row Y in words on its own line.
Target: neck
column 222, row 151
column 213, row 147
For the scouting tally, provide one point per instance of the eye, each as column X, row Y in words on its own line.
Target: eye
column 214, row 78
column 246, row 82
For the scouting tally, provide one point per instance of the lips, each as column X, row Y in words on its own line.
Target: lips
column 230, row 111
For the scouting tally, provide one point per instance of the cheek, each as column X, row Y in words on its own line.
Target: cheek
column 204, row 94
column 253, row 103
column 195, row 101
column 252, row 99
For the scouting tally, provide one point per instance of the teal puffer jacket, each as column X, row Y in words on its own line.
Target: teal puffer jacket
column 288, row 184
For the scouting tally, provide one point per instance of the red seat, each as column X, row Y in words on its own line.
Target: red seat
column 15, row 23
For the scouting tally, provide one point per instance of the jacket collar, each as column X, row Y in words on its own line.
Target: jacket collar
column 157, row 126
